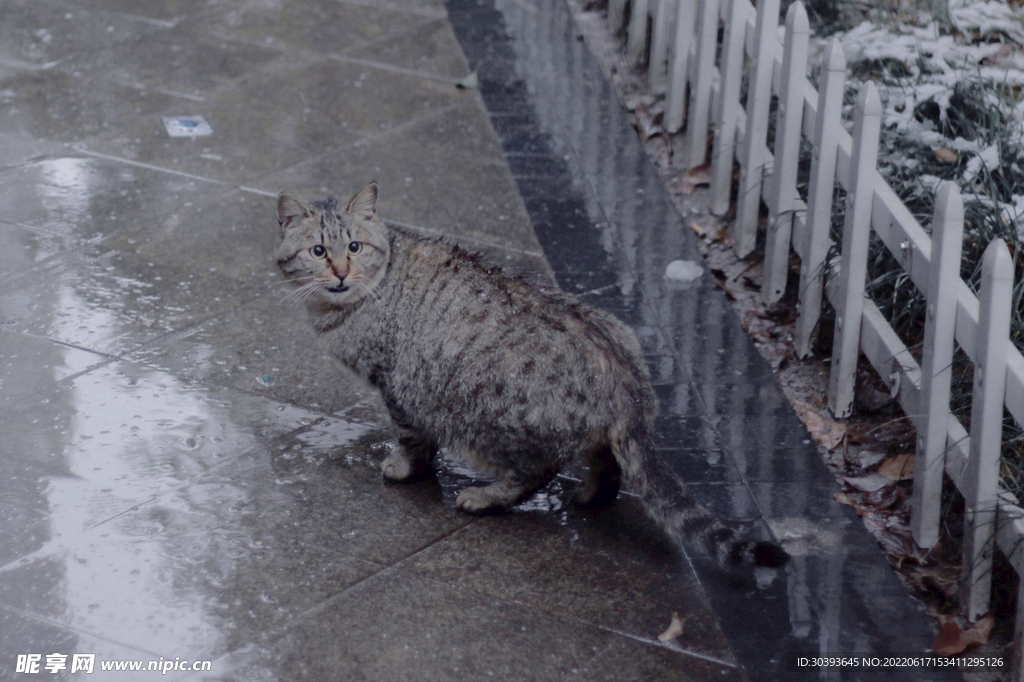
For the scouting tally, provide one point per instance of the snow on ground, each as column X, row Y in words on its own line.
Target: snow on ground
column 923, row 63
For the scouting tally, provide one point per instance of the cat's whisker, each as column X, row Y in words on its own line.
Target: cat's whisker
column 303, row 281
column 299, row 302
column 295, row 291
column 298, row 296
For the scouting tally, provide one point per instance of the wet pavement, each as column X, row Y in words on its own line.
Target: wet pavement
column 183, row 477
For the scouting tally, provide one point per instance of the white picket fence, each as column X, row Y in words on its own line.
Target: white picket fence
column 683, row 46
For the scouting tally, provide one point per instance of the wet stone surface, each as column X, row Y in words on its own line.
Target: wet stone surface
column 725, row 427
column 185, row 476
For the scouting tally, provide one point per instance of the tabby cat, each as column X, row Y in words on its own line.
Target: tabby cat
column 515, row 378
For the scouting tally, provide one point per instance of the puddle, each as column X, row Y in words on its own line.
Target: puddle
column 453, row 476
column 134, row 527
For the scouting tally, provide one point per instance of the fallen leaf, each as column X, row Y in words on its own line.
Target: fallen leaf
column 946, row 155
column 780, row 313
column 635, row 102
column 843, row 498
column 869, row 483
column 952, row 639
column 825, row 432
column 675, row 628
column 885, row 436
column 648, row 129
column 939, row 588
column 886, row 497
column 865, row 459
column 723, row 237
column 899, row 468
column 696, row 177
column 871, row 399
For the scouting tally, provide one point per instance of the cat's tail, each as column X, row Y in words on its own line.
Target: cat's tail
column 669, row 502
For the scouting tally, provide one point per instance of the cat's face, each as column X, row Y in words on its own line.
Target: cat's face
column 338, row 254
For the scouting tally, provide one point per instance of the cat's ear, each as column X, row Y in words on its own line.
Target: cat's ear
column 289, row 208
column 364, row 204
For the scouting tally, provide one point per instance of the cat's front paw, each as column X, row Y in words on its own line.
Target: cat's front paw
column 399, row 468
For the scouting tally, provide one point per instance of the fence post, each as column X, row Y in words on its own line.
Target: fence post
column 636, row 38
column 1017, row 653
column 754, row 155
column 937, row 363
column 788, row 130
column 700, row 86
column 677, row 70
column 981, row 480
column 819, row 194
column 616, row 14
column 853, row 267
column 730, row 70
column 657, row 70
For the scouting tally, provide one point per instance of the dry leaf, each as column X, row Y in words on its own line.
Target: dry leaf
column 704, row 231
column 865, row 459
column 946, row 155
column 723, row 237
column 843, row 498
column 696, row 177
column 869, row 483
column 675, row 628
column 952, row 639
column 885, row 497
column 635, row 102
column 648, row 128
column 825, row 432
column 899, row 468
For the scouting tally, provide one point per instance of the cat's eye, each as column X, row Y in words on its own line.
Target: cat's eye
column 355, row 247
column 318, row 251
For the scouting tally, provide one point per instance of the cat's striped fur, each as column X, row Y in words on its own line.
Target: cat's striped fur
column 515, row 378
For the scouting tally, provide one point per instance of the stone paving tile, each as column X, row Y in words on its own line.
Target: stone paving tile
column 613, row 570
column 178, row 60
column 49, row 105
column 322, row 26
column 50, row 362
column 164, row 12
column 145, row 507
column 435, row 54
column 479, row 203
column 124, row 433
column 398, row 626
column 77, row 301
column 66, row 193
column 261, row 347
column 33, row 635
column 45, row 33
